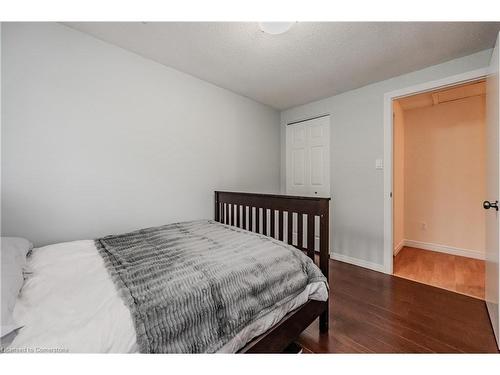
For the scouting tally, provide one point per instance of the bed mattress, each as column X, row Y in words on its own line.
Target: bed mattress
column 69, row 303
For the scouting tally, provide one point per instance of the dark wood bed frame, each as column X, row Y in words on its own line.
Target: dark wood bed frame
column 250, row 211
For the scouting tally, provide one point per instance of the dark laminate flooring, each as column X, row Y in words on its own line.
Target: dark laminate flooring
column 371, row 312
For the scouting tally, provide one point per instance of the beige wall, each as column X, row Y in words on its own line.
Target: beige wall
column 445, row 174
column 398, row 190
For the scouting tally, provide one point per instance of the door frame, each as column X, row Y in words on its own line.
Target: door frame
column 453, row 80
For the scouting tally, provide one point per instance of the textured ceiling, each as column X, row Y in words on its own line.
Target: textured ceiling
column 309, row 62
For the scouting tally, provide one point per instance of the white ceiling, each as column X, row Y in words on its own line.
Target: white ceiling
column 309, row 62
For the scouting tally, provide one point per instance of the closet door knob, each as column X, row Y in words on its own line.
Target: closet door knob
column 487, row 205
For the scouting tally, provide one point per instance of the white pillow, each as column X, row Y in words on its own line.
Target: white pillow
column 13, row 253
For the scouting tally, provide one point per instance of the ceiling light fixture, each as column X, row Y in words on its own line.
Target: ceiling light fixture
column 275, row 28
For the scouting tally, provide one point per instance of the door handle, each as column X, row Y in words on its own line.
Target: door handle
column 487, row 205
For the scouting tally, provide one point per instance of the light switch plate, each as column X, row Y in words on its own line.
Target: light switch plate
column 379, row 164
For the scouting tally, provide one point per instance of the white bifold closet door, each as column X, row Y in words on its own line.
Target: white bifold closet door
column 308, row 157
column 493, row 191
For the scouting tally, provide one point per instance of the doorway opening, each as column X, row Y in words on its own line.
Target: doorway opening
column 438, row 186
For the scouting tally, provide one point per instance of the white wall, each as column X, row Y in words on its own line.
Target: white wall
column 357, row 139
column 97, row 140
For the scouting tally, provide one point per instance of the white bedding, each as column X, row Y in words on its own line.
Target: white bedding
column 70, row 303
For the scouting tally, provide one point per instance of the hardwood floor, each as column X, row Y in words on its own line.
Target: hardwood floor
column 371, row 312
column 455, row 273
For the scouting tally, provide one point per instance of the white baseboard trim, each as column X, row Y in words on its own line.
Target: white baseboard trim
column 398, row 248
column 445, row 249
column 357, row 262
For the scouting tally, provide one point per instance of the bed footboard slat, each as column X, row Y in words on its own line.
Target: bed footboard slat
column 273, row 223
column 280, row 226
column 250, row 218
column 310, row 236
column 300, row 231
column 264, row 221
column 289, row 222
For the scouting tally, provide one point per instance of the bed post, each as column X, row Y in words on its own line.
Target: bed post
column 217, row 207
column 324, row 257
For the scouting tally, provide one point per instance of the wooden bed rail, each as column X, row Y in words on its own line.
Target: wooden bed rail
column 270, row 215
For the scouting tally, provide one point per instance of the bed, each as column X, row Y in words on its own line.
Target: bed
column 236, row 290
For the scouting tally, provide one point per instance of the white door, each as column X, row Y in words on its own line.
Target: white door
column 492, row 190
column 308, row 157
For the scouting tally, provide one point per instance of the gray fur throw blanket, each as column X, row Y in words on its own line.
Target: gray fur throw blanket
column 193, row 286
